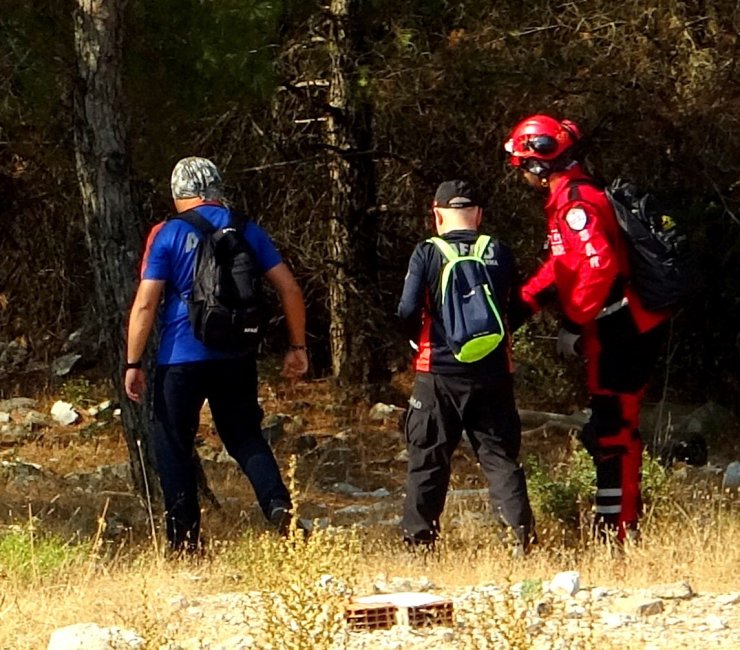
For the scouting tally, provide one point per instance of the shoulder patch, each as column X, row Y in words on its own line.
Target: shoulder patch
column 576, row 218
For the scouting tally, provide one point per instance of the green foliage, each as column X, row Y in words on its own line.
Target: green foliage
column 531, row 589
column 558, row 492
column 654, row 83
column 656, row 480
column 78, row 391
column 25, row 555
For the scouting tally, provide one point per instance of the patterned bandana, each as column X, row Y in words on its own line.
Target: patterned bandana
column 196, row 177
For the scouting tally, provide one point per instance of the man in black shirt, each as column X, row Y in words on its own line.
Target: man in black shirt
column 449, row 395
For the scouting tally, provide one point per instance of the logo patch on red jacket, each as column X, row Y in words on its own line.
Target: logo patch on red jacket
column 576, row 218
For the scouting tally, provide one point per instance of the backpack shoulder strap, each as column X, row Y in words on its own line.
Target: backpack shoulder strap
column 238, row 218
column 480, row 245
column 196, row 220
column 447, row 250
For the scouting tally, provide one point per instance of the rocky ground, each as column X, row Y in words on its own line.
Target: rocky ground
column 65, row 462
column 559, row 614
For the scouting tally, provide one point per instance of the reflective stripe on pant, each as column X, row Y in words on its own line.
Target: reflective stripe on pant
column 619, row 360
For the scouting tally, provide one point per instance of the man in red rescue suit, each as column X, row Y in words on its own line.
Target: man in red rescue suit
column 587, row 269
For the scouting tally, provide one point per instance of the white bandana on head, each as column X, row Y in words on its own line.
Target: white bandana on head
column 196, row 177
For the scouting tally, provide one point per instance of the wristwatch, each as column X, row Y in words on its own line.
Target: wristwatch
column 129, row 365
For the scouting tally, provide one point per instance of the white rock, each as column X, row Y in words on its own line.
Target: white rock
column 673, row 591
column 715, row 623
column 90, row 636
column 616, row 620
column 64, row 413
column 599, row 593
column 565, row 583
column 583, row 595
column 4, row 417
column 729, row 599
column 380, row 411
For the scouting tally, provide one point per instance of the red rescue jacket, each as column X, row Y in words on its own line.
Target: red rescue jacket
column 587, row 261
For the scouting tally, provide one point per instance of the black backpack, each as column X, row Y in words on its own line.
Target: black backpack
column 658, row 252
column 226, row 305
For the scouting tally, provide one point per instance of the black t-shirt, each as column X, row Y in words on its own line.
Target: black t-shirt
column 421, row 302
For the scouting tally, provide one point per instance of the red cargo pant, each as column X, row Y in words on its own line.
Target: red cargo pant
column 619, row 360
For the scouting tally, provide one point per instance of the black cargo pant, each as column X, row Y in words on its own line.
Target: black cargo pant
column 440, row 408
column 230, row 386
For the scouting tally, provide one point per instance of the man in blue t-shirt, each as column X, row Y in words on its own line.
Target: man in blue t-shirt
column 188, row 372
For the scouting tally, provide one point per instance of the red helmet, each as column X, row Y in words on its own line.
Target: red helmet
column 540, row 140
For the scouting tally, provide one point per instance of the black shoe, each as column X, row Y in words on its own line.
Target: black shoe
column 281, row 517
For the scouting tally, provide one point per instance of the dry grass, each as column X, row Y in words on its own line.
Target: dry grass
column 136, row 588
column 67, row 576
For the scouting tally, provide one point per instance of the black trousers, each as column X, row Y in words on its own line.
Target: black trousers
column 440, row 408
column 231, row 389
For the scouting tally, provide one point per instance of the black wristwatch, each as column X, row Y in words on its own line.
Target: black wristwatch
column 131, row 365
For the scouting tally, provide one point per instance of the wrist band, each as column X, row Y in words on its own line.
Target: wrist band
column 131, row 366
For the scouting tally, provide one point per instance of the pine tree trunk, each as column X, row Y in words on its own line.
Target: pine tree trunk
column 110, row 215
column 352, row 227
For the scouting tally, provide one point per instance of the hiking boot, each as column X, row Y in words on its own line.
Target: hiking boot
column 281, row 517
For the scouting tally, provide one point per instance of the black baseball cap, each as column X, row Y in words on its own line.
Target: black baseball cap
column 455, row 194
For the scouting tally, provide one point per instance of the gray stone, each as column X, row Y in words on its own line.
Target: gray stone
column 731, row 478
column 380, row 411
column 62, row 365
column 674, row 591
column 467, row 493
column 15, row 434
column 306, row 443
column 353, row 510
column 20, row 470
column 33, row 421
column 397, row 584
column 273, row 427
column 90, row 636
column 711, row 420
column 639, row 605
column 345, row 488
column 17, row 404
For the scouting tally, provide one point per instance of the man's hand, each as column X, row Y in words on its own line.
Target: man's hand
column 135, row 383
column 566, row 344
column 295, row 364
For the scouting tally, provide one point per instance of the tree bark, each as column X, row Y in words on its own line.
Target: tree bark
column 109, row 211
column 352, row 226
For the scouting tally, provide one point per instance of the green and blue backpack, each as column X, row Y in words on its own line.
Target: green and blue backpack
column 470, row 313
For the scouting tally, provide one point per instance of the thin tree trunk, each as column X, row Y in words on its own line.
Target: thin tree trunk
column 352, row 228
column 110, row 215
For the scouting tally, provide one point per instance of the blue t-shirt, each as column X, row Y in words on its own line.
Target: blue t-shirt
column 170, row 256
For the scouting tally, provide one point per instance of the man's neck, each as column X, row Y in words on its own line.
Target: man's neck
column 183, row 205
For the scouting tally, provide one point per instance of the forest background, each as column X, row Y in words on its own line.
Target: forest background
column 333, row 124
